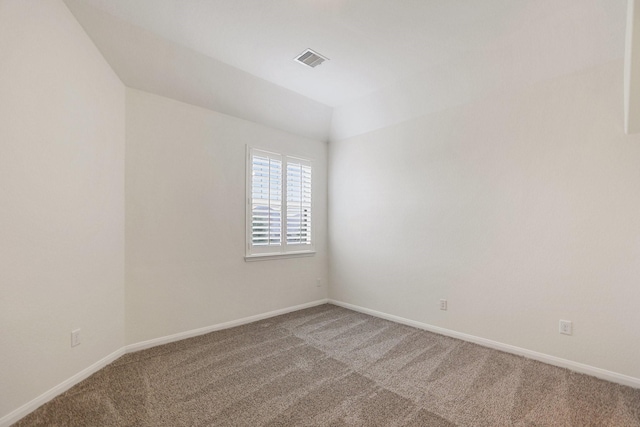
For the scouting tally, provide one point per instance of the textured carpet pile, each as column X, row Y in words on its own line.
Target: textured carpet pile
column 328, row 366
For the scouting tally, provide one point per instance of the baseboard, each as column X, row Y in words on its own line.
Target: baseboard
column 530, row 354
column 226, row 325
column 29, row 407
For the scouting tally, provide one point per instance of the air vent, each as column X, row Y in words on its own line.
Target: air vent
column 310, row 58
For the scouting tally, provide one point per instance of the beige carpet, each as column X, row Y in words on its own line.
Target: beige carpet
column 328, row 366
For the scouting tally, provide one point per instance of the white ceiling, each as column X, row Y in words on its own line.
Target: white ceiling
column 371, row 43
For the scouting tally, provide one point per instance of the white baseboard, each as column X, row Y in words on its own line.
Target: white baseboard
column 29, row 407
column 530, row 354
column 226, row 325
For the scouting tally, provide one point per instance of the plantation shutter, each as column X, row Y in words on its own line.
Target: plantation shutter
column 298, row 201
column 279, row 205
column 266, row 199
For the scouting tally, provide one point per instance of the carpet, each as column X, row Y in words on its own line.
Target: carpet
column 329, row 366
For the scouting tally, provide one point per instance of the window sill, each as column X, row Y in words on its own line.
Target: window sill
column 265, row 257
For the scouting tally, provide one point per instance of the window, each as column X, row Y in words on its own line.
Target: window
column 279, row 205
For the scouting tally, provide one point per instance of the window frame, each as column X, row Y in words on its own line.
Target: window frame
column 284, row 249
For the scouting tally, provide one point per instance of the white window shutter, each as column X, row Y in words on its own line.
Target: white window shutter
column 266, row 199
column 299, row 218
column 279, row 205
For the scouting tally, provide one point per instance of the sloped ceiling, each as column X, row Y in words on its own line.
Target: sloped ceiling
column 371, row 44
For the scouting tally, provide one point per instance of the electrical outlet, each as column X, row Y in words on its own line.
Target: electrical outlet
column 566, row 327
column 75, row 337
column 443, row 304
column 318, row 282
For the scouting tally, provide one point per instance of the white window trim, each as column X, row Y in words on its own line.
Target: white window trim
column 285, row 250
column 268, row 256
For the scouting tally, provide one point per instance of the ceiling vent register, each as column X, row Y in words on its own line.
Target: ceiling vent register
column 310, row 58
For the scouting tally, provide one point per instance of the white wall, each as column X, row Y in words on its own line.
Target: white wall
column 62, row 133
column 520, row 209
column 185, row 221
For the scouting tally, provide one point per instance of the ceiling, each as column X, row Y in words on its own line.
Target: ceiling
column 371, row 44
